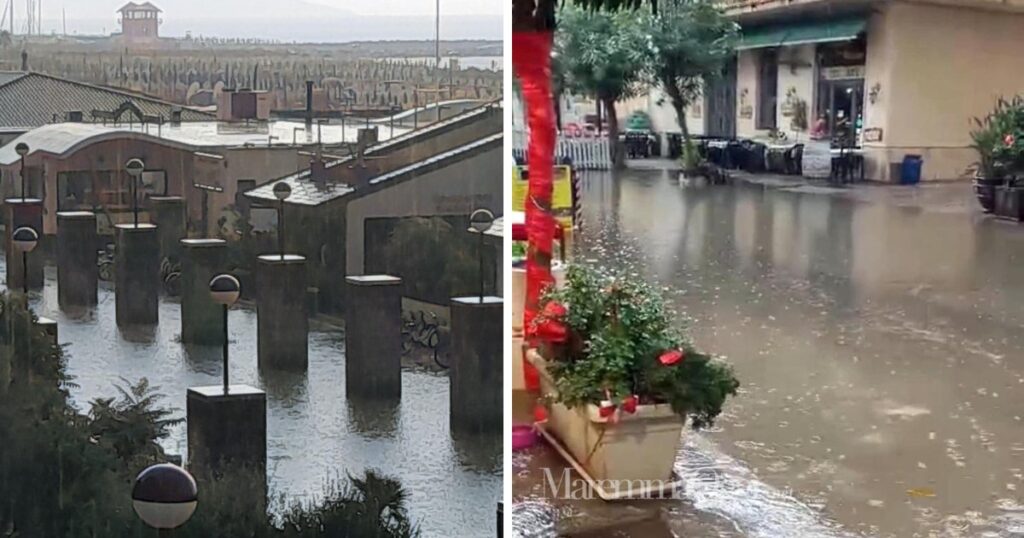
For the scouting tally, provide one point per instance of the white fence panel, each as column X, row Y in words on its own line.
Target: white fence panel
column 585, row 153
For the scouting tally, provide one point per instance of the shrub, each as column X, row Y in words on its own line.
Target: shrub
column 616, row 341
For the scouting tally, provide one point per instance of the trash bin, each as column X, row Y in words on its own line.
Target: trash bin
column 910, row 172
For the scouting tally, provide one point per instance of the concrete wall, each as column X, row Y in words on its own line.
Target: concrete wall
column 104, row 156
column 938, row 67
column 182, row 166
column 663, row 117
column 454, row 190
column 746, row 94
column 798, row 71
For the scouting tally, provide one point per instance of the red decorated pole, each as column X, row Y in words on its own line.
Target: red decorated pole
column 531, row 59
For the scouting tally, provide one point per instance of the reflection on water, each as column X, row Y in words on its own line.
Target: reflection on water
column 315, row 434
column 877, row 334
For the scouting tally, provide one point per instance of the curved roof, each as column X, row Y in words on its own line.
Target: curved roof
column 62, row 139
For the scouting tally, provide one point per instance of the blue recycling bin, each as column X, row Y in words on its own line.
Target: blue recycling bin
column 910, row 172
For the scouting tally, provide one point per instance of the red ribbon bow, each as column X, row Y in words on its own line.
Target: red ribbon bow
column 669, row 358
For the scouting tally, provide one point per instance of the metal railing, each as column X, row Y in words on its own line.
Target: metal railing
column 584, row 153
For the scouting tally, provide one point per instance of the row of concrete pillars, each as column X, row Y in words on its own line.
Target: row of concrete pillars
column 232, row 426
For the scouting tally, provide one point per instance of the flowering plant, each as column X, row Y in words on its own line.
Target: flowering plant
column 999, row 141
column 613, row 343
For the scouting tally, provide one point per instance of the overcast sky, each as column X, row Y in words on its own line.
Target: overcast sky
column 335, row 20
column 193, row 8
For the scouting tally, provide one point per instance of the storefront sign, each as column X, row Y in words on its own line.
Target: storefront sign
column 873, row 134
column 849, row 72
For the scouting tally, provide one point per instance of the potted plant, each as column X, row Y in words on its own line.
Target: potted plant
column 999, row 142
column 620, row 378
column 696, row 170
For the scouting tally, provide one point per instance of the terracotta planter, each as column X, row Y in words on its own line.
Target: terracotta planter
column 639, row 446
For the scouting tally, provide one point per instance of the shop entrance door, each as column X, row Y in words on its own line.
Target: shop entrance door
column 845, row 107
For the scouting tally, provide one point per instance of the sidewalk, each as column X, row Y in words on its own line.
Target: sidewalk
column 955, row 197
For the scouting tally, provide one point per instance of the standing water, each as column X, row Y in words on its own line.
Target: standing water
column 877, row 332
column 314, row 435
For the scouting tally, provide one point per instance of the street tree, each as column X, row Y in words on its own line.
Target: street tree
column 604, row 55
column 692, row 40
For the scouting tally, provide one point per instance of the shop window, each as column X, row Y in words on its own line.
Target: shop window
column 767, row 89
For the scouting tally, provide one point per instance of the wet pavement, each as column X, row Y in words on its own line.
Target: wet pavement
column 877, row 331
column 314, row 434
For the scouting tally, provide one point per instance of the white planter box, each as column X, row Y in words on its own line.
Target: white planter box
column 518, row 375
column 518, row 295
column 639, row 447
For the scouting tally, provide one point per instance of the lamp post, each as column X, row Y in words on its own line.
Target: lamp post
column 25, row 240
column 164, row 497
column 480, row 221
column 225, row 289
column 281, row 191
column 22, row 149
column 135, row 167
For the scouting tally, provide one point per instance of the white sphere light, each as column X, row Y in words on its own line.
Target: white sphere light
column 135, row 167
column 282, row 190
column 164, row 496
column 225, row 290
column 25, row 239
column 481, row 220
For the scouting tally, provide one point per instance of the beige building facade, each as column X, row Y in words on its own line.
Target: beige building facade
column 903, row 77
column 907, row 77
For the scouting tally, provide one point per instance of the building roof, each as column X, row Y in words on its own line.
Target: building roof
column 145, row 6
column 63, row 139
column 10, row 76
column 29, row 100
column 410, row 137
column 306, row 192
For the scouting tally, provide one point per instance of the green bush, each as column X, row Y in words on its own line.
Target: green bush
column 618, row 333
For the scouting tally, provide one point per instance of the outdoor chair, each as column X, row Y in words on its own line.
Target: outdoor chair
column 794, row 160
column 754, row 160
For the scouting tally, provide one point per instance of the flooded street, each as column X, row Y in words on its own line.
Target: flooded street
column 877, row 332
column 314, row 434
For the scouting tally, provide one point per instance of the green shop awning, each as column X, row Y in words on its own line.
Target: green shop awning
column 802, row 33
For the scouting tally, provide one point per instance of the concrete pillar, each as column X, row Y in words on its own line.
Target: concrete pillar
column 476, row 364
column 202, row 320
column 169, row 214
column 373, row 336
column 137, row 275
column 282, row 322
column 17, row 213
column 49, row 326
column 77, row 274
column 226, row 430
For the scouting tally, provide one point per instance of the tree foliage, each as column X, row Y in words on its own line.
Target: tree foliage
column 606, row 56
column 692, row 40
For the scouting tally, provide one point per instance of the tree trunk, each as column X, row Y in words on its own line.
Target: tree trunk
column 614, row 148
column 680, row 106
